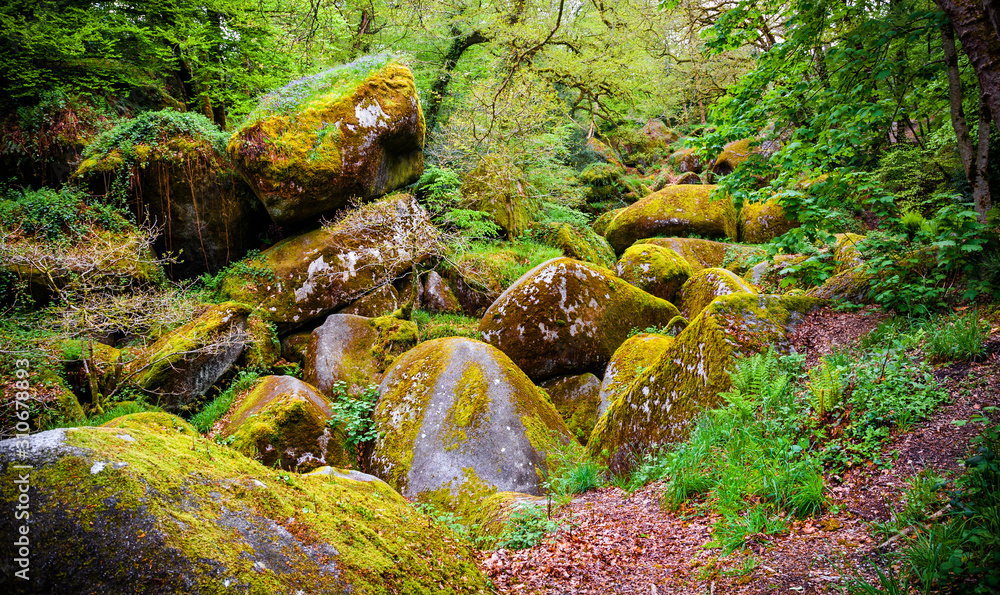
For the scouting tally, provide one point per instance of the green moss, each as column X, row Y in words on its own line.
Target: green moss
column 190, row 516
column 674, row 211
column 492, row 267
column 490, row 189
column 634, row 357
column 685, row 160
column 578, row 243
column 708, row 284
column 395, row 336
column 761, row 222
column 155, row 420
column 576, row 399
column 263, row 348
column 732, row 156
column 846, row 253
column 468, row 409
column 600, row 224
column 654, row 269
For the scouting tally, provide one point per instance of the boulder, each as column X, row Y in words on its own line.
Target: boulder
column 308, row 276
column 568, row 317
column 580, row 243
column 605, row 153
column 355, row 350
column 634, row 357
column 499, row 189
column 737, row 152
column 654, row 269
column 147, row 508
column 355, row 131
column 180, row 367
column 706, row 285
column 576, row 398
column 282, row 422
column 600, row 225
column 153, row 419
column 380, row 301
column 658, row 135
column 702, row 254
column 686, row 161
column 688, row 178
column 846, row 253
column 604, row 183
column 458, row 421
column 659, row 406
column 178, row 179
column 852, row 285
column 437, row 296
column 675, row 210
column 295, row 347
column 761, row 222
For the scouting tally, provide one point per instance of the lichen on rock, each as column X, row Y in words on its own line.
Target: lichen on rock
column 654, row 269
column 576, row 398
column 630, row 360
column 761, row 222
column 706, row 285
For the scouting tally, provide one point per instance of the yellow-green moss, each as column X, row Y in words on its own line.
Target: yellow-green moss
column 263, row 348
column 600, row 225
column 706, row 285
column 846, row 253
column 732, row 156
column 685, row 161
column 630, row 360
column 468, row 409
column 654, row 269
column 761, row 222
column 153, row 419
column 674, row 211
column 578, row 243
column 395, row 336
column 490, row 188
column 577, row 399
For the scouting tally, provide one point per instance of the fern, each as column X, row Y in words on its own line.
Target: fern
column 760, row 376
column 826, row 387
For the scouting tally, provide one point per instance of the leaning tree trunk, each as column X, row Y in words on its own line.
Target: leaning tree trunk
column 981, row 43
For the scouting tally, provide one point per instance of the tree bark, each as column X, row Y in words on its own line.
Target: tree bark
column 459, row 44
column 981, row 43
column 981, row 188
column 955, row 99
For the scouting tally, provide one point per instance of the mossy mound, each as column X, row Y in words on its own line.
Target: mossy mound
column 604, row 182
column 580, row 243
column 702, row 254
column 706, row 285
column 605, row 152
column 352, row 131
column 673, row 211
column 178, row 178
column 282, row 422
column 737, row 152
column 688, row 178
column 123, row 510
column 658, row 135
column 308, row 276
column 152, row 419
column 851, row 285
column 846, row 253
column 437, row 296
column 576, row 398
column 489, row 519
column 378, row 302
column 654, row 269
column 660, row 405
column 630, row 360
column 761, row 222
column 568, row 317
column 497, row 188
column 768, row 276
column 686, row 161
column 183, row 364
column 263, row 348
column 458, row 422
column 600, row 225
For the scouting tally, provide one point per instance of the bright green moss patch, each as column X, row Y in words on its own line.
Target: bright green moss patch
column 706, row 285
column 494, row 266
column 580, row 243
column 654, row 269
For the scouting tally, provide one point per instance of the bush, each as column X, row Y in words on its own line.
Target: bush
column 57, row 215
column 526, row 528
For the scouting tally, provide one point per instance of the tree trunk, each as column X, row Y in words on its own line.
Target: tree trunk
column 981, row 188
column 981, row 43
column 458, row 46
column 955, row 99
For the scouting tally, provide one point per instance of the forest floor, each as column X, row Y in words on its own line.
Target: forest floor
column 615, row 542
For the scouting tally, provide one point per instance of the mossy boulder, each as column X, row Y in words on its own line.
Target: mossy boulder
column 605, row 153
column 295, row 347
column 658, row 135
column 600, row 224
column 686, row 161
column 182, row 365
column 604, row 183
column 688, row 178
column 738, row 152
column 308, row 276
column 352, row 131
column 846, row 253
column 488, row 520
column 263, row 348
column 156, row 420
column 660, row 404
column 852, row 285
column 568, row 317
column 580, row 243
column 634, row 357
column 282, row 422
column 355, row 350
column 178, row 178
column 576, row 398
column 706, row 285
column 654, row 269
column 458, row 422
column 500, row 189
column 129, row 509
column 673, row 211
column 701, row 254
column 436, row 295
column 378, row 302
column 761, row 222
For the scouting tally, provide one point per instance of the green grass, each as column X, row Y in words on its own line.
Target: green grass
column 961, row 337
column 437, row 326
column 206, row 418
column 495, row 266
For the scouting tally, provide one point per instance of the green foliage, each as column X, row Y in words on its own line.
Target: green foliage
column 437, row 326
column 217, row 407
column 495, row 266
column 153, row 130
column 439, row 190
column 526, row 528
column 575, row 474
column 960, row 337
column 352, row 414
column 447, row 519
column 58, row 215
column 117, row 410
column 826, row 387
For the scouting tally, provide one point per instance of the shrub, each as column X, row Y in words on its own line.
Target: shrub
column 526, row 528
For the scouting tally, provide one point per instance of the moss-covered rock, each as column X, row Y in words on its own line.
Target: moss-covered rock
column 499, row 189
column 395, row 335
column 177, row 177
column 378, row 302
column 263, row 348
column 282, row 422
column 140, row 508
column 580, row 243
column 852, row 285
column 340, row 350
column 654, row 269
column 568, row 317
column 182, row 365
column 630, row 360
column 846, row 253
column 688, row 178
column 604, row 151
column 576, row 399
column 686, row 161
column 600, row 225
column 308, row 276
column 673, row 211
column 737, row 152
column 604, row 182
column 761, row 222
column 436, row 295
column 352, row 131
column 706, row 285
column 702, row 254
column 155, row 420
column 295, row 347
column 658, row 135
column 458, row 421
column 659, row 406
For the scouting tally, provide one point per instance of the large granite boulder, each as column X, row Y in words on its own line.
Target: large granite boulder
column 659, row 406
column 738, row 152
column 686, row 161
column 634, row 357
column 706, row 285
column 436, row 295
column 673, row 211
column 761, row 222
column 458, row 421
column 309, row 276
column 568, row 317
column 702, row 254
column 282, row 422
column 147, row 507
column 177, row 177
column 580, row 243
column 576, row 398
column 654, row 269
column 355, row 131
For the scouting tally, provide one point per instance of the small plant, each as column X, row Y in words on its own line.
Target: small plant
column 206, row 418
column 526, row 527
column 958, row 338
column 352, row 414
column 826, row 387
